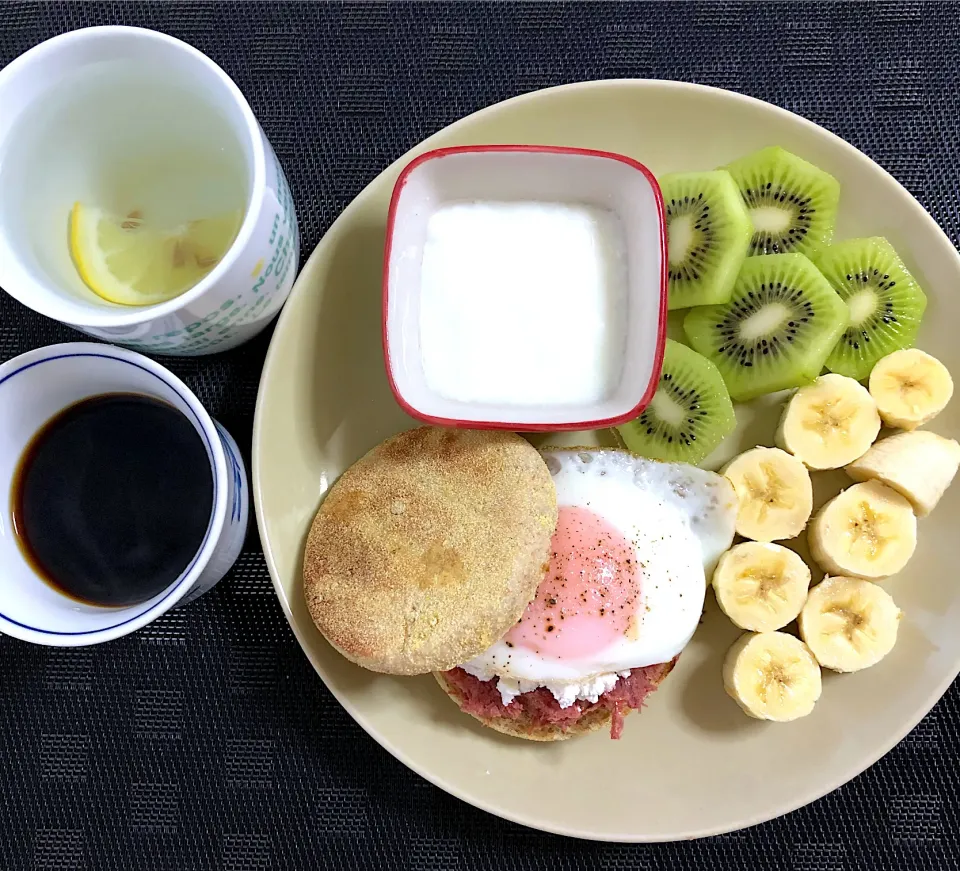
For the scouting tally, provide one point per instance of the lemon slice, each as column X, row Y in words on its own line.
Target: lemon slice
column 127, row 261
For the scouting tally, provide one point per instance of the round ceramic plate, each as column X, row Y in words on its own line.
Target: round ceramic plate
column 691, row 763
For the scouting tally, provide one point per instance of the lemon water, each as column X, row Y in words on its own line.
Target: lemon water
column 121, row 139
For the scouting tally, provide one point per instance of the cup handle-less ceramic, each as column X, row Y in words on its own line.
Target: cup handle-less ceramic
column 241, row 295
column 34, row 387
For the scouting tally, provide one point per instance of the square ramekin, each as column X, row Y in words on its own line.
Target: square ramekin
column 526, row 173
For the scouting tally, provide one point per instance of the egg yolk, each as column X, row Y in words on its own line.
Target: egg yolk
column 589, row 595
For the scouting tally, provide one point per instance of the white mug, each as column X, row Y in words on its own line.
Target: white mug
column 34, row 388
column 243, row 292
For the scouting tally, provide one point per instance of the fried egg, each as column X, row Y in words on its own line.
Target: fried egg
column 635, row 543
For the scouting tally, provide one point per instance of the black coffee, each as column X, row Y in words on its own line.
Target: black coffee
column 112, row 498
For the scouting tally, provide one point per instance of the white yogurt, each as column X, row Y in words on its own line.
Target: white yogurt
column 523, row 303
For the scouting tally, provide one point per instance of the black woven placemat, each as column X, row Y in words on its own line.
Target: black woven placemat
column 206, row 740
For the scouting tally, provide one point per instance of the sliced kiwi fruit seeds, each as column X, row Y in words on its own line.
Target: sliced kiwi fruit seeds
column 777, row 329
column 792, row 203
column 690, row 414
column 885, row 304
column 708, row 231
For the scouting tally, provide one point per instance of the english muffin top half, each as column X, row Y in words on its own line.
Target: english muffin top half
column 427, row 550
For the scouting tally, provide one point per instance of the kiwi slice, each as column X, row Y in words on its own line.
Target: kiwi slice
column 886, row 305
column 689, row 415
column 708, row 231
column 777, row 330
column 792, row 203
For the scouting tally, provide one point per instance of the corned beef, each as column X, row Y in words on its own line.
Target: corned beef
column 482, row 699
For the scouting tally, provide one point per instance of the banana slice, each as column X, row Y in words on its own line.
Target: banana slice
column 849, row 624
column 761, row 587
column 829, row 423
column 772, row 676
column 910, row 388
column 919, row 465
column 868, row 531
column 774, row 493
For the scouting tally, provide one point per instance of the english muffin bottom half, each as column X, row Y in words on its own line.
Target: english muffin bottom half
column 427, row 550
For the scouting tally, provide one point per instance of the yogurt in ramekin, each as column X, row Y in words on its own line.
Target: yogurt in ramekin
column 524, row 288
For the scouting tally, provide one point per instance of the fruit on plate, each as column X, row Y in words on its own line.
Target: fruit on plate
column 689, row 415
column 919, row 465
column 885, row 304
column 849, row 623
column 777, row 329
column 760, row 586
column 772, row 676
column 774, row 494
column 829, row 423
column 867, row 531
column 708, row 233
column 792, row 203
column 128, row 261
column 910, row 388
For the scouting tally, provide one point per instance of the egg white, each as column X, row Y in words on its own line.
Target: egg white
column 679, row 518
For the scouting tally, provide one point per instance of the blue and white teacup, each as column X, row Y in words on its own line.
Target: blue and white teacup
column 34, row 388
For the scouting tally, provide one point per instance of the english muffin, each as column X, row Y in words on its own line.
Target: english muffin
column 428, row 549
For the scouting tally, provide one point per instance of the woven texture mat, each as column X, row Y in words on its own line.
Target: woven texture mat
column 206, row 740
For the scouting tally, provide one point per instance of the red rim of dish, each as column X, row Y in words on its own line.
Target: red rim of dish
column 519, row 425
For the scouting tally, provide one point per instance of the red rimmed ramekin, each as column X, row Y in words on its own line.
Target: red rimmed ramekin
column 524, row 173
